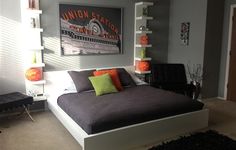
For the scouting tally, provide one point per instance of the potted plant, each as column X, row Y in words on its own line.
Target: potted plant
column 196, row 76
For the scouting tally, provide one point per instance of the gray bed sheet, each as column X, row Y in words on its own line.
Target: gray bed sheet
column 133, row 105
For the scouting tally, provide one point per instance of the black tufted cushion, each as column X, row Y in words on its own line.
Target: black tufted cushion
column 13, row 100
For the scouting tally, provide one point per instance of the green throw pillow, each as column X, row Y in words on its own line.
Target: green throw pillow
column 103, row 84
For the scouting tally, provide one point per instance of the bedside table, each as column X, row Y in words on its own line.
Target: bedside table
column 40, row 103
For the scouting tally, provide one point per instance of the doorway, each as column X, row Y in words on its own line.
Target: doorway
column 231, row 84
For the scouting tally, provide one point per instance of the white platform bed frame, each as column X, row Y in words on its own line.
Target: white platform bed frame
column 129, row 137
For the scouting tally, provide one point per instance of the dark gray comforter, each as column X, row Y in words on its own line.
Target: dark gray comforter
column 132, row 105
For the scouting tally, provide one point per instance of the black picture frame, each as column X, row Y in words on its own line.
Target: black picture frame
column 90, row 30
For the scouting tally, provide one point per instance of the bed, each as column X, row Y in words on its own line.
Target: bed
column 125, row 127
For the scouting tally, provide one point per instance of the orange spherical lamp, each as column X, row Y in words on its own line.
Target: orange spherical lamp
column 33, row 74
column 144, row 66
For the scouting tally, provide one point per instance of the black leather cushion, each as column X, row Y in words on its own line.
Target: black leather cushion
column 169, row 73
column 171, row 77
column 15, row 99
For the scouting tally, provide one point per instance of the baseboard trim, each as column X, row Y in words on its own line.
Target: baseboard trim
column 212, row 98
column 221, row 98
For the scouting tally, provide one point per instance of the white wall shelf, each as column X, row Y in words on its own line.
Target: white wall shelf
column 40, row 48
column 37, row 65
column 40, row 98
column 144, row 3
column 35, row 29
column 144, row 32
column 143, row 59
column 143, row 46
column 144, row 18
column 142, row 72
column 34, row 11
column 40, row 82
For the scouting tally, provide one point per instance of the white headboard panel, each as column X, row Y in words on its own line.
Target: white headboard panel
column 57, row 81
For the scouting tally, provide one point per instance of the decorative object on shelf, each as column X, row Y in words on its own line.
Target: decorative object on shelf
column 32, row 4
column 34, row 58
column 196, row 76
column 143, row 53
column 142, row 28
column 196, row 73
column 184, row 33
column 196, row 89
column 101, row 25
column 143, row 65
column 143, row 40
column 33, row 74
column 145, row 11
column 31, row 93
column 33, row 22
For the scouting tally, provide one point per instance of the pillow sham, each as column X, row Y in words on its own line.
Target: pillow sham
column 103, row 84
column 136, row 79
column 69, row 86
column 81, row 81
column 114, row 76
column 125, row 78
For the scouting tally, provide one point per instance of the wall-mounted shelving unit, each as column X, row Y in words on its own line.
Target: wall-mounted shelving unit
column 32, row 45
column 141, row 29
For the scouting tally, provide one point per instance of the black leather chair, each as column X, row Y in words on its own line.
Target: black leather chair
column 171, row 77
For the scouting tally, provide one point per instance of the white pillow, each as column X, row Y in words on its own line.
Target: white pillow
column 69, row 87
column 136, row 79
column 62, row 82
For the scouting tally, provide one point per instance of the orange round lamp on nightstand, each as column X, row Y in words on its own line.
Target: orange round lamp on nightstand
column 144, row 65
column 33, row 74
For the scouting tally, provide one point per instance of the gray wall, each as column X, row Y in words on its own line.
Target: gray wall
column 51, row 37
column 206, row 19
column 193, row 11
column 212, row 53
column 160, row 27
column 224, row 47
column 11, row 55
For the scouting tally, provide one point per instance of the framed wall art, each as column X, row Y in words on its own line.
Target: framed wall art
column 90, row 30
column 184, row 33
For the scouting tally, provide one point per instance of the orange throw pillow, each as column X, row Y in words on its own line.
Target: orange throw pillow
column 114, row 76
